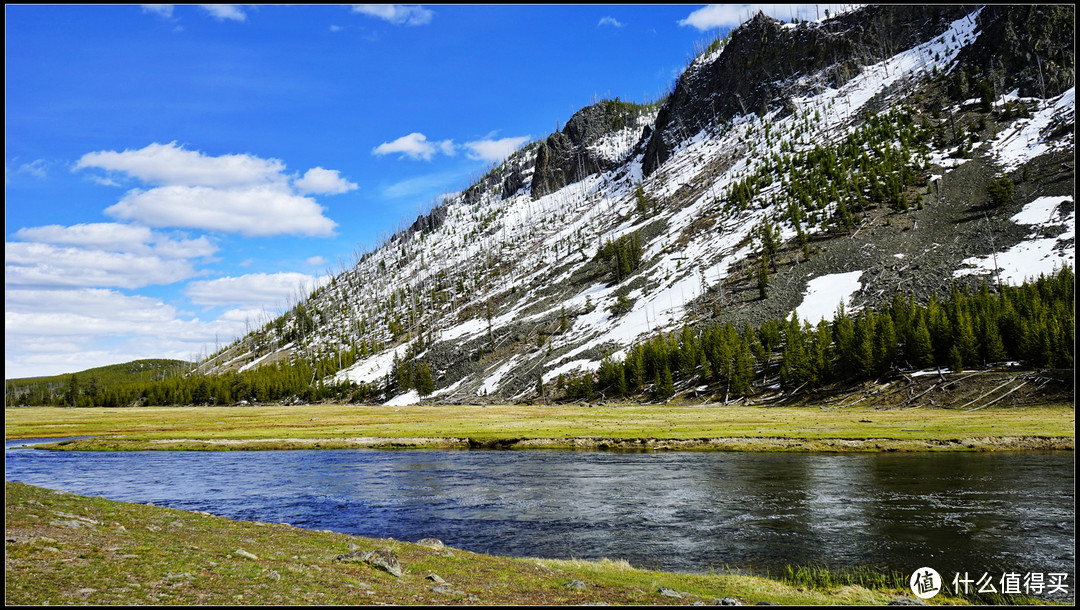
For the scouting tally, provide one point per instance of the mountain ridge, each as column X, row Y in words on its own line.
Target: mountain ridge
column 872, row 151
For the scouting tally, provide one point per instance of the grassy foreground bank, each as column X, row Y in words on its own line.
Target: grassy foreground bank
column 63, row 548
column 732, row 427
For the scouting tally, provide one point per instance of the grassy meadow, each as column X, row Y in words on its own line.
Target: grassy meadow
column 521, row 426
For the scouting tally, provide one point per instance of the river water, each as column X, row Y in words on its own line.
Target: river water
column 995, row 513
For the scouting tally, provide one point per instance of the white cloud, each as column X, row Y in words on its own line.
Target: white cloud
column 221, row 12
column 416, row 146
column 169, row 164
column 397, row 14
column 32, row 264
column 50, row 332
column 731, row 15
column 494, row 151
column 315, row 261
column 319, row 180
column 162, row 10
column 99, row 254
column 235, row 193
column 119, row 238
column 253, row 211
column 254, row 289
column 609, row 21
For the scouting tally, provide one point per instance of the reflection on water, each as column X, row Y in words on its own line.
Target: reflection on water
column 684, row 511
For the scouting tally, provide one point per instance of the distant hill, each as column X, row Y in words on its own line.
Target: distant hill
column 91, row 382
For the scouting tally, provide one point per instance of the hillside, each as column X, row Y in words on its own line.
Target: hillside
column 90, row 384
column 888, row 150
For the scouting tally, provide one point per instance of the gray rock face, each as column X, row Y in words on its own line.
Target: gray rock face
column 576, row 585
column 763, row 60
column 564, row 157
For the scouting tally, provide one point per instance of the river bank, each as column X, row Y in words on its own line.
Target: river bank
column 794, row 444
column 62, row 548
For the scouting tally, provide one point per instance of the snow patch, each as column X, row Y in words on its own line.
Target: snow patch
column 1037, row 255
column 825, row 294
column 412, row 397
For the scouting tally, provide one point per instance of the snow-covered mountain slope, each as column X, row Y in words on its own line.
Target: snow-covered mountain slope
column 853, row 176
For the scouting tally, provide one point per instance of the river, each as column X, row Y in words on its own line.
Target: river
column 994, row 513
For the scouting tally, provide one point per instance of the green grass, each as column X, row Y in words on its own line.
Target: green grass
column 738, row 427
column 63, row 548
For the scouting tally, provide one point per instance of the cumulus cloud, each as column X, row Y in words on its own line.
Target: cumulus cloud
column 50, row 332
column 169, row 164
column 315, row 261
column 38, row 265
column 237, row 193
column 253, row 211
column 494, row 151
column 254, row 289
column 99, row 254
column 397, row 14
column 609, row 21
column 118, row 237
column 415, row 146
column 221, row 12
column 731, row 15
column 325, row 181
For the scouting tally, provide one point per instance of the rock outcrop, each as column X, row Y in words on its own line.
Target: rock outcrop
column 764, row 61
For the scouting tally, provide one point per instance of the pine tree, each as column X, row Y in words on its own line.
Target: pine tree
column 664, row 386
column 425, row 385
column 919, row 349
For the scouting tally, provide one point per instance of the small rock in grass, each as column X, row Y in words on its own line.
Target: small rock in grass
column 363, row 585
column 71, row 523
column 245, row 554
column 575, row 584
column 666, row 592
column 435, row 578
column 87, row 591
column 432, row 543
column 730, row 601
column 907, row 601
column 384, row 559
column 51, row 549
column 446, row 590
column 273, row 575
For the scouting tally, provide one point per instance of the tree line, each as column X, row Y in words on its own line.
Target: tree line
column 1031, row 324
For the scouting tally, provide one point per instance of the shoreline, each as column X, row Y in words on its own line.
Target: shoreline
column 95, row 551
column 731, row 443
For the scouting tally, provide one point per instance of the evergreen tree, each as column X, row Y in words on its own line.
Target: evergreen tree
column 919, row 349
column 425, row 385
column 664, row 386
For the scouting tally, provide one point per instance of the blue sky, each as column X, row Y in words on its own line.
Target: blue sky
column 176, row 174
